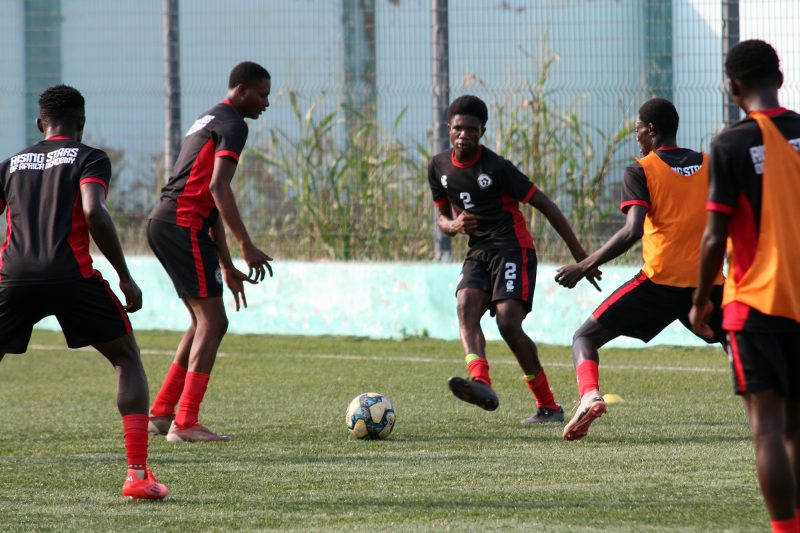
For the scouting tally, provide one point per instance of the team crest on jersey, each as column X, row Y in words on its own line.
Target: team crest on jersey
column 484, row 181
column 444, row 181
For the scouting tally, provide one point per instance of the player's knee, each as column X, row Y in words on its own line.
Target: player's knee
column 508, row 324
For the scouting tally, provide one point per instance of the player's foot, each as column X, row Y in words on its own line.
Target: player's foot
column 474, row 392
column 159, row 425
column 143, row 489
column 546, row 415
column 591, row 408
column 195, row 433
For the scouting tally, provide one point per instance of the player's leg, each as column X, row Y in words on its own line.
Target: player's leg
column 766, row 411
column 211, row 325
column 509, row 316
column 162, row 412
column 471, row 306
column 586, row 343
column 793, row 446
column 132, row 399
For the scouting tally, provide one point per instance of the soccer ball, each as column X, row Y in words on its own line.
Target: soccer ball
column 370, row 416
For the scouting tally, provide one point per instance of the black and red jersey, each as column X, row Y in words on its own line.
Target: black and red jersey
column 186, row 199
column 736, row 175
column 491, row 188
column 47, row 238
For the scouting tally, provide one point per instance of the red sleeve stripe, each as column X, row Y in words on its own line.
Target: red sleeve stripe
column 441, row 201
column 529, row 195
column 625, row 205
column 229, row 153
column 90, row 179
column 721, row 208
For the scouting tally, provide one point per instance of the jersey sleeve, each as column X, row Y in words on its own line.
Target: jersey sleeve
column 437, row 190
column 231, row 137
column 722, row 187
column 96, row 169
column 515, row 183
column 634, row 188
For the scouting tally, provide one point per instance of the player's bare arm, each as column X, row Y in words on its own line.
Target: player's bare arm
column 465, row 223
column 542, row 203
column 712, row 254
column 220, row 187
column 104, row 233
column 619, row 243
column 234, row 278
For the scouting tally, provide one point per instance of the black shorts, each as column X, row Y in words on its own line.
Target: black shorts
column 87, row 309
column 762, row 361
column 506, row 274
column 190, row 258
column 641, row 309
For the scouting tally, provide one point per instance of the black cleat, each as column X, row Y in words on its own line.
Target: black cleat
column 474, row 392
column 546, row 415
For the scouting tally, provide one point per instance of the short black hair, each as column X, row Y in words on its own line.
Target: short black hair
column 662, row 114
column 468, row 105
column 754, row 63
column 61, row 104
column 246, row 72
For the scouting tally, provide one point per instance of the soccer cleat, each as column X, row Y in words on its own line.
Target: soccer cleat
column 159, row 425
column 143, row 489
column 195, row 433
column 591, row 408
column 474, row 392
column 546, row 415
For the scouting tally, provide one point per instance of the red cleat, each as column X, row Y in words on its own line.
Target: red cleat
column 143, row 489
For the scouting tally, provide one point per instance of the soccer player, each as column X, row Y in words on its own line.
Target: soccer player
column 663, row 197
column 54, row 196
column 754, row 192
column 499, row 272
column 186, row 233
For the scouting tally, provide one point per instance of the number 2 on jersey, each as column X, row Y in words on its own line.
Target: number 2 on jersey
column 466, row 199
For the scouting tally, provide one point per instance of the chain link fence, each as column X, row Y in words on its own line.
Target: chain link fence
column 336, row 168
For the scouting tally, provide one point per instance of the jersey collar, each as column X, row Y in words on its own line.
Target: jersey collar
column 667, row 148
column 771, row 112
column 468, row 163
column 58, row 138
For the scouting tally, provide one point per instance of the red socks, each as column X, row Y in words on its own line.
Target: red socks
column 541, row 390
column 588, row 374
column 170, row 393
column 135, row 431
column 785, row 526
column 193, row 391
column 478, row 368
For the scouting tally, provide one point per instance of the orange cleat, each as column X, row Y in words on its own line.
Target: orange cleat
column 195, row 433
column 143, row 489
column 592, row 407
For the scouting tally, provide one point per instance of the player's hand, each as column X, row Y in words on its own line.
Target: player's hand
column 569, row 275
column 133, row 295
column 466, row 223
column 698, row 318
column 234, row 279
column 257, row 261
column 593, row 276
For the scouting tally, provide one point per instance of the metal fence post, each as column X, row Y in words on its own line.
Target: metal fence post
column 42, row 57
column 172, row 86
column 442, row 246
column 360, row 78
column 730, row 36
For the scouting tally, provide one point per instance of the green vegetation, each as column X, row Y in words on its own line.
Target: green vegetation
column 676, row 455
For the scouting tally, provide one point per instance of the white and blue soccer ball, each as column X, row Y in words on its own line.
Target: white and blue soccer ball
column 370, row 416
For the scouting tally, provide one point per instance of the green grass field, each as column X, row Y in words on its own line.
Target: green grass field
column 676, row 455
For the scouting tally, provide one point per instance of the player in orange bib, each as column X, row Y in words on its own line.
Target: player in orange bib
column 753, row 194
column 662, row 197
